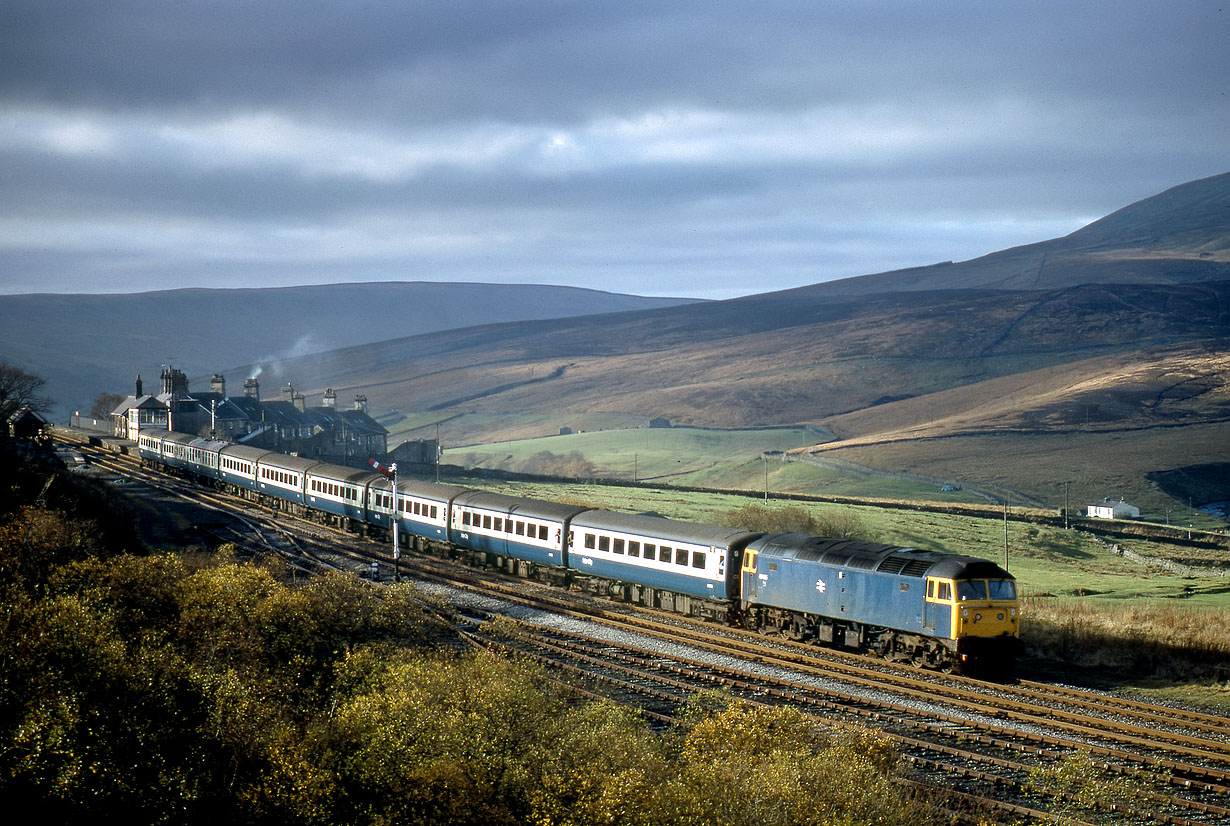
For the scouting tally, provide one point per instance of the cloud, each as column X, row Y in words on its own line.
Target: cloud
column 687, row 148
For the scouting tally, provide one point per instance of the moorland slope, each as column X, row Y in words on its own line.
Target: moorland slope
column 1118, row 328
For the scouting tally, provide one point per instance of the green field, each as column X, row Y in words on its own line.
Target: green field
column 697, row 457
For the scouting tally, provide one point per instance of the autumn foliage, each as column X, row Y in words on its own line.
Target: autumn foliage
column 195, row 688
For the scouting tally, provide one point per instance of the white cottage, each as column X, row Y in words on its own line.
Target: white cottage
column 1109, row 509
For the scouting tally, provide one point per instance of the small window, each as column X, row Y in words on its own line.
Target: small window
column 465, row 517
column 604, row 543
column 433, row 512
column 698, row 559
column 542, row 531
column 486, row 521
column 619, row 546
column 904, row 586
column 497, row 524
column 650, row 550
column 508, row 526
column 634, row 548
column 520, row 529
column 590, row 542
column 681, row 556
column 772, row 566
column 664, row 553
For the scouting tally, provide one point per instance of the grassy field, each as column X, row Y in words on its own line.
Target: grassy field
column 699, row 457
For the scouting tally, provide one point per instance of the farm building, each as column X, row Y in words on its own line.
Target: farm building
column 1110, row 509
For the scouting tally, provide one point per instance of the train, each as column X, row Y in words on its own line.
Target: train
column 940, row 611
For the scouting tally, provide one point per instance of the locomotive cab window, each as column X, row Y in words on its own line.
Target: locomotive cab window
column 971, row 589
column 938, row 590
column 1002, row 589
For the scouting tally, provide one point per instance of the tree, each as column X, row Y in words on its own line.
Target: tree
column 104, row 403
column 20, row 389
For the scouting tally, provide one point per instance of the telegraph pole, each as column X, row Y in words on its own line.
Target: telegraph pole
column 396, row 519
column 1005, row 534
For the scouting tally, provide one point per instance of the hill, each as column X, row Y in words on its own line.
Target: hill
column 87, row 344
column 912, row 359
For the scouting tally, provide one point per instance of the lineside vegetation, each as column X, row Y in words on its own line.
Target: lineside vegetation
column 198, row 688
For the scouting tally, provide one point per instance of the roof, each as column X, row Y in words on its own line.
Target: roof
column 24, row 412
column 137, row 401
column 663, row 528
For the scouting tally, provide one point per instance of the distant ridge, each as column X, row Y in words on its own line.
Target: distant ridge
column 88, row 344
column 1179, row 236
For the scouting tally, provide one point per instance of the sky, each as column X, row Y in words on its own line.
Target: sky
column 703, row 149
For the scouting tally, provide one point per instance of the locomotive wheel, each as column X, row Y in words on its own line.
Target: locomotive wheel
column 799, row 628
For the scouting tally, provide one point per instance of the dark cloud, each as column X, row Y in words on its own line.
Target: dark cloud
column 683, row 148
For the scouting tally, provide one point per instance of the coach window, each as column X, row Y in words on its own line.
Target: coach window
column 664, row 553
column 604, row 543
column 698, row 559
column 486, row 521
column 542, row 532
column 465, row 517
column 590, row 542
column 650, row 550
column 619, row 546
column 520, row 528
column 497, row 524
column 634, row 548
column 681, row 556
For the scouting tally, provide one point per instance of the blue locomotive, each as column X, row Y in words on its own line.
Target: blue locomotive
column 936, row 610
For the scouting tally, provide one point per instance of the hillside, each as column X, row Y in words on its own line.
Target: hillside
column 87, row 344
column 910, row 359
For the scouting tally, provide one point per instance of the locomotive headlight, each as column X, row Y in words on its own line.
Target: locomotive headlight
column 977, row 617
column 1000, row 616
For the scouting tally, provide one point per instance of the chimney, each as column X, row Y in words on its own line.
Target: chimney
column 360, row 403
column 252, row 389
column 300, row 402
column 330, row 399
column 140, row 388
column 217, row 384
column 288, row 392
column 174, row 382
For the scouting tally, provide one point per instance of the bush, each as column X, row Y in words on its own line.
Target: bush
column 835, row 524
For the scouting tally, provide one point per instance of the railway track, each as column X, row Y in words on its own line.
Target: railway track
column 981, row 744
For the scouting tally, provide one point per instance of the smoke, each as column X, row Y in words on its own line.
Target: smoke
column 305, row 345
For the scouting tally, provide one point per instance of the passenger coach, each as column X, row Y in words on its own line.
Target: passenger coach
column 523, row 533
column 659, row 562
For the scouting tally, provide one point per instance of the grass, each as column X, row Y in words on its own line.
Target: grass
column 701, row 457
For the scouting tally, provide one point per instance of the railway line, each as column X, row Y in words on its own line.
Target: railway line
column 979, row 744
